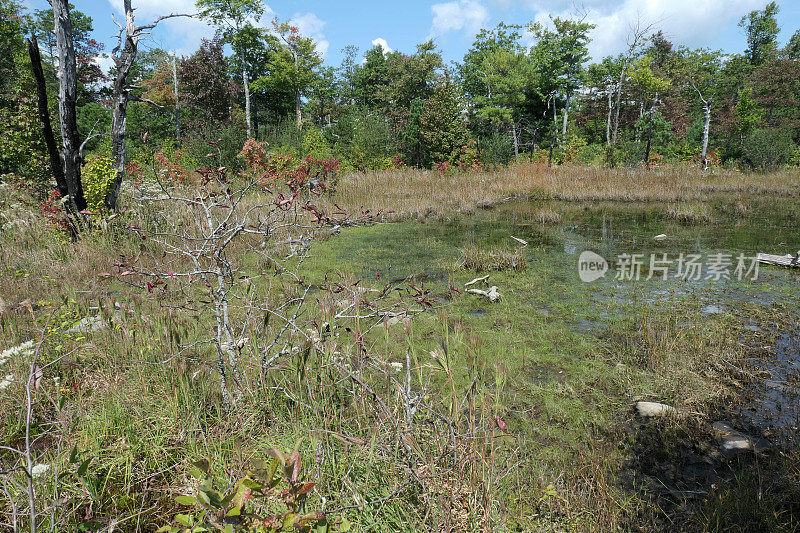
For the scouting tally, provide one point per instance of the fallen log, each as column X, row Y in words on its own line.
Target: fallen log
column 787, row 260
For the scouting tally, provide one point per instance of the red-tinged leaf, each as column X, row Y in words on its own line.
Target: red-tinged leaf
column 127, row 273
column 277, row 454
column 243, row 493
column 296, row 463
column 307, row 487
column 501, row 423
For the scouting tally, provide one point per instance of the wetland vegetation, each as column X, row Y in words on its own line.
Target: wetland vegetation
column 557, row 363
column 246, row 291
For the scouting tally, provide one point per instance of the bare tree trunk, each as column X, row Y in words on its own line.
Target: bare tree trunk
column 516, row 140
column 246, row 84
column 635, row 37
column 297, row 103
column 566, row 117
column 555, row 131
column 706, row 128
column 56, row 165
column 67, row 96
column 177, row 102
column 650, row 134
column 119, row 112
column 608, row 121
column 126, row 52
column 706, row 125
column 618, row 103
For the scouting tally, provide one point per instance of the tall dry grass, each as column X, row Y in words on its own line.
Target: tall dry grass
column 412, row 193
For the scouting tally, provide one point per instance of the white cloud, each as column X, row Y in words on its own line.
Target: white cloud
column 469, row 15
column 312, row 26
column 104, row 61
column 689, row 22
column 380, row 41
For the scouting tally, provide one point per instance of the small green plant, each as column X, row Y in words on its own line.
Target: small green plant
column 97, row 176
column 268, row 485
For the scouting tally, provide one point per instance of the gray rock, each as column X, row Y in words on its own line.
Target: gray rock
column 733, row 442
column 88, row 325
column 654, row 409
column 91, row 324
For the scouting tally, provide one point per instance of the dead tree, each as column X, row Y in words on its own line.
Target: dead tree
column 177, row 102
column 124, row 55
column 56, row 166
column 707, row 101
column 656, row 101
column 635, row 38
column 67, row 91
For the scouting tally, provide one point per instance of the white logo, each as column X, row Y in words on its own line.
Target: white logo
column 591, row 266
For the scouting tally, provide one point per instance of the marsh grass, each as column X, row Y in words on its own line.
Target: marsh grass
column 417, row 193
column 548, row 216
column 496, row 259
column 691, row 213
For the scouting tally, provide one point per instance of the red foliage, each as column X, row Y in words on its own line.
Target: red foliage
column 135, row 172
column 398, row 163
column 468, row 159
column 172, row 171
column 53, row 211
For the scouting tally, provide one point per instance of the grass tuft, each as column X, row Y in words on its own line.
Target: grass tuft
column 481, row 260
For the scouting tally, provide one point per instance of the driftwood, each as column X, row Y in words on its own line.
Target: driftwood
column 476, row 280
column 524, row 243
column 787, row 260
column 492, row 294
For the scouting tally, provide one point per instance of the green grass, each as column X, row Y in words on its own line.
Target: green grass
column 560, row 362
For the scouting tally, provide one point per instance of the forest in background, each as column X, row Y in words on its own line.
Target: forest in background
column 520, row 93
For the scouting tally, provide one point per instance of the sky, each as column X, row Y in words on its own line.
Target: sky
column 451, row 24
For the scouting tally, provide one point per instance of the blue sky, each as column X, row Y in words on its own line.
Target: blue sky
column 453, row 24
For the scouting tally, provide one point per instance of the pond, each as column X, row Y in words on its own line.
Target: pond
column 693, row 260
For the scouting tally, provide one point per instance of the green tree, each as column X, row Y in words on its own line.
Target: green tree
column 649, row 86
column 233, row 16
column 292, row 65
column 792, row 49
column 443, row 130
column 761, row 28
column 88, row 73
column 323, row 96
column 504, row 37
column 505, row 75
column 563, row 52
column 368, row 80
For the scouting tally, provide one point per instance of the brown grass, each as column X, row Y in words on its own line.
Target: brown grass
column 417, row 193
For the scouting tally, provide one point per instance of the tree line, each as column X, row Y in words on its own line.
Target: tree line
column 520, row 92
